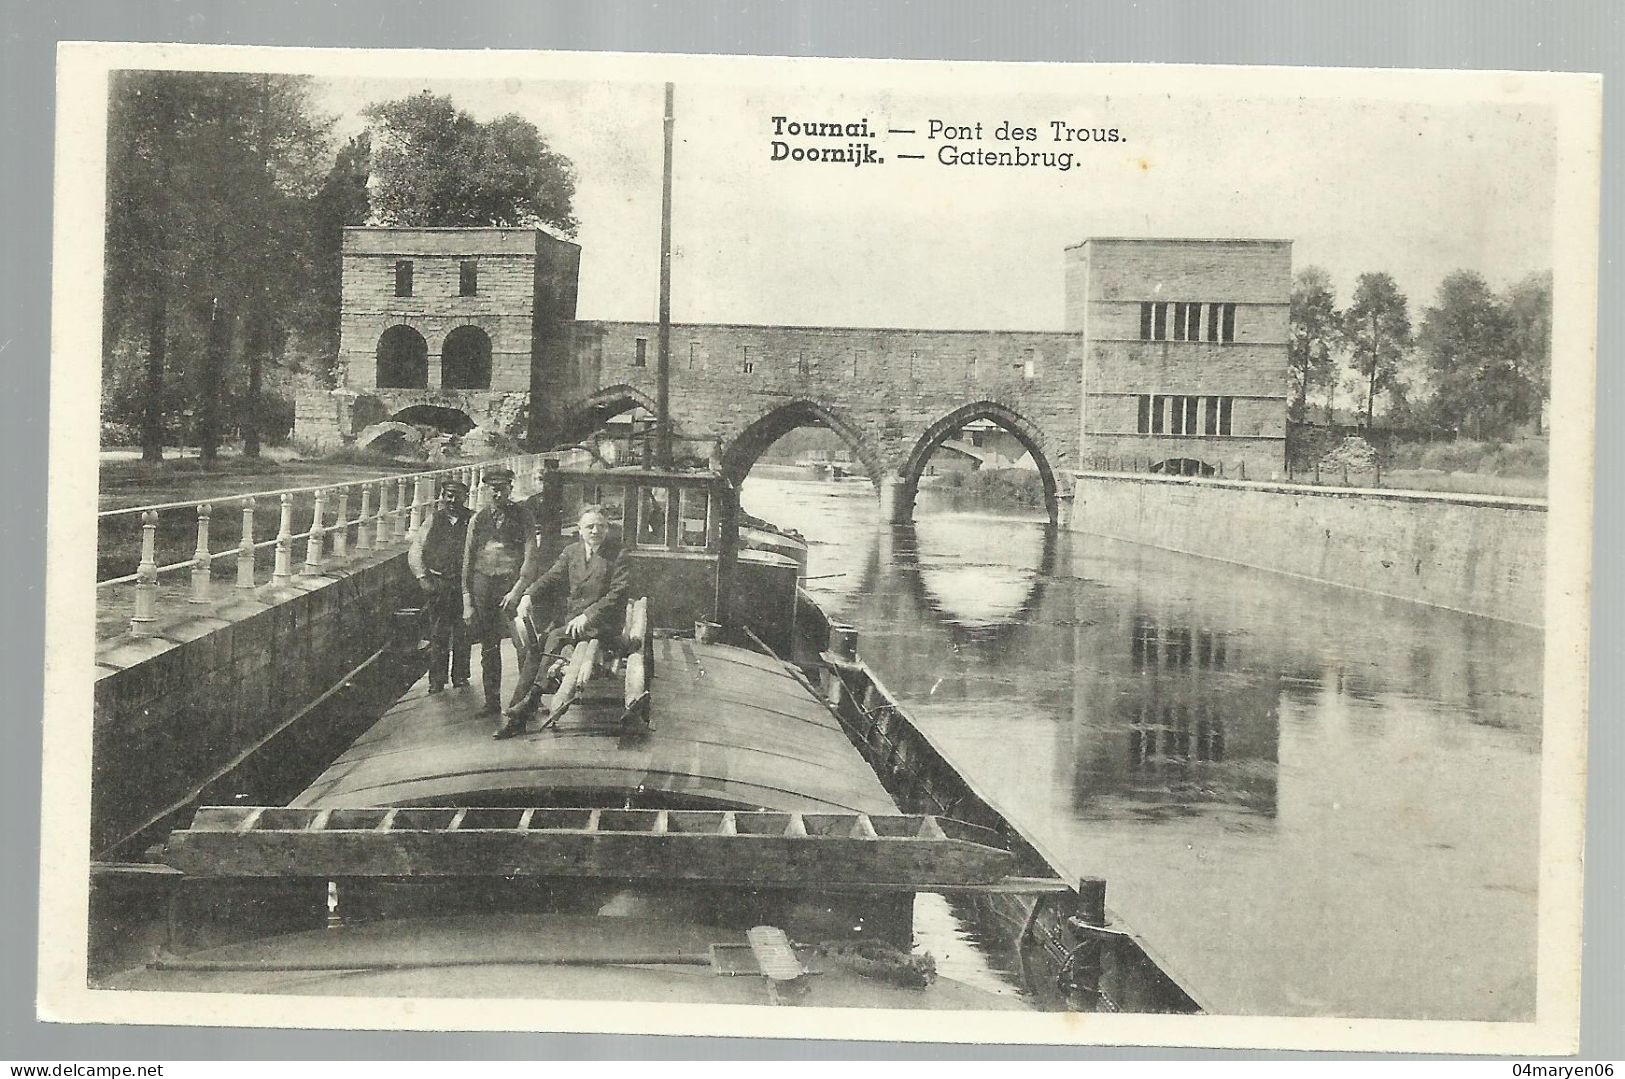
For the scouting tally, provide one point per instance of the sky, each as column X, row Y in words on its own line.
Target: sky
column 1416, row 188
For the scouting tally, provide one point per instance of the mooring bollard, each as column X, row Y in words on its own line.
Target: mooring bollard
column 245, row 552
column 318, row 533
column 843, row 640
column 202, row 560
column 341, row 527
column 146, row 578
column 282, row 571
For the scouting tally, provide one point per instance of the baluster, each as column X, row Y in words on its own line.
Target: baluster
column 282, row 572
column 398, row 534
column 417, row 506
column 363, row 527
column 341, row 533
column 380, row 523
column 245, row 552
column 146, row 577
column 202, row 560
column 318, row 534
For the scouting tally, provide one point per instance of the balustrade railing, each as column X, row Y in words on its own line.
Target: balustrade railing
column 330, row 534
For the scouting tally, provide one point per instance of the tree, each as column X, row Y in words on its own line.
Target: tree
column 1529, row 304
column 1469, row 342
column 208, row 173
column 342, row 200
column 1315, row 329
column 1377, row 327
column 435, row 165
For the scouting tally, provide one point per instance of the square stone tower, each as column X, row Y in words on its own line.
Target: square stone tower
column 1185, row 363
column 441, row 321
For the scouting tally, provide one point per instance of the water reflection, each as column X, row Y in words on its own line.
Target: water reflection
column 1345, row 786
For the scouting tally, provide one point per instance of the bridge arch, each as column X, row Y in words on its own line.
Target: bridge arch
column 740, row 454
column 1024, row 430
column 403, row 359
column 465, row 359
column 584, row 417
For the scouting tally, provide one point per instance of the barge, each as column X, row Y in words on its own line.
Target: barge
column 763, row 828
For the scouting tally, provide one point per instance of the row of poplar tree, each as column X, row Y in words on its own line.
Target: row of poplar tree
column 227, row 196
column 1478, row 365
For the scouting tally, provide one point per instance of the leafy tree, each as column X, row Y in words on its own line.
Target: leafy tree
column 1469, row 341
column 208, row 173
column 342, row 200
column 1315, row 329
column 435, row 165
column 1377, row 328
column 1529, row 303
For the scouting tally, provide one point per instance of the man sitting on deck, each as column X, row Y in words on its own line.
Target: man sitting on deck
column 597, row 581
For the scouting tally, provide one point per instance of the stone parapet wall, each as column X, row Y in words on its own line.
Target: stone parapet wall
column 1470, row 553
column 176, row 710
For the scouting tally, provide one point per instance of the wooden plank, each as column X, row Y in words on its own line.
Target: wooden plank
column 744, row 858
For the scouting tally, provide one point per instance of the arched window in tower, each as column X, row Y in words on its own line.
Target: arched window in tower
column 465, row 360
column 403, row 359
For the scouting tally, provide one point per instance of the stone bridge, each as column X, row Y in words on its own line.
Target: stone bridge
column 892, row 396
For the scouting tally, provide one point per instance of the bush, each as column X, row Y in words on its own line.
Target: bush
column 1526, row 457
column 120, row 434
column 1354, row 454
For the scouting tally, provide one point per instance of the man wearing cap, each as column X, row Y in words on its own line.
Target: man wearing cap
column 436, row 558
column 499, row 554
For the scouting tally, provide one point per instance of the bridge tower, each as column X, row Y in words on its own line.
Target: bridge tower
column 456, row 328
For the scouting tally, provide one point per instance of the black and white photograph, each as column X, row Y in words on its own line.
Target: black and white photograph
column 1091, row 554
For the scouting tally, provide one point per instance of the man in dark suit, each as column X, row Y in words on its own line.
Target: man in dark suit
column 594, row 576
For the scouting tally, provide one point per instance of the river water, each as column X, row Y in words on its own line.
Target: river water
column 1305, row 800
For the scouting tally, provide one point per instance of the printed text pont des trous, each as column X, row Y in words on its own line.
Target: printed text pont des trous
column 1001, row 144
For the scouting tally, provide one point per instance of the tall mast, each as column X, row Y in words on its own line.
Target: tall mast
column 663, row 355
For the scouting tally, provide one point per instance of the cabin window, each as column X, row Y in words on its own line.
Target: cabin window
column 612, row 497
column 654, row 504
column 695, row 517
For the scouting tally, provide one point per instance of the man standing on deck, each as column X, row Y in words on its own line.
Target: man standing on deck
column 436, row 558
column 595, row 580
column 499, row 555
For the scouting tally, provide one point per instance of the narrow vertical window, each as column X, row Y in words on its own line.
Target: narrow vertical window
column 746, row 363
column 1224, row 415
column 1145, row 321
column 1214, row 317
column 1182, row 316
column 1156, row 414
column 468, row 278
column 1190, row 415
column 1159, row 327
column 1144, row 427
column 403, row 277
column 802, row 366
column 1176, row 415
column 640, row 354
column 1030, row 364
column 913, row 361
column 693, row 353
column 1229, row 322
column 857, row 362
column 1211, row 427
